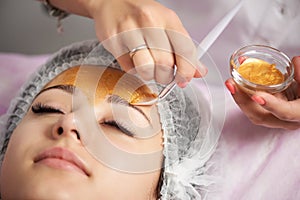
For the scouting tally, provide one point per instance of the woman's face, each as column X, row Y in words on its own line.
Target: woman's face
column 58, row 151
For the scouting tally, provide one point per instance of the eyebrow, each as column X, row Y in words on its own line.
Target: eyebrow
column 66, row 88
column 115, row 99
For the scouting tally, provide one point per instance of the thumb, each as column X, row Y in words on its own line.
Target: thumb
column 296, row 62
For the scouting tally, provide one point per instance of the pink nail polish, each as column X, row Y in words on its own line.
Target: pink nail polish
column 230, row 87
column 242, row 59
column 182, row 84
column 258, row 100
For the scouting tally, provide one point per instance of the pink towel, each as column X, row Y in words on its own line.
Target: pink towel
column 14, row 70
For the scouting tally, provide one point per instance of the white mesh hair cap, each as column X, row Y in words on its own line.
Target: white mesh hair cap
column 189, row 136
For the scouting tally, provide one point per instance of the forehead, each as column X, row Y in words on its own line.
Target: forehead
column 99, row 81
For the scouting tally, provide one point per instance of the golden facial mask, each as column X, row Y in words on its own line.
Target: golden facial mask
column 99, row 82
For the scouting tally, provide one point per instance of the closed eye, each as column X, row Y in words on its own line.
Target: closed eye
column 119, row 127
column 40, row 108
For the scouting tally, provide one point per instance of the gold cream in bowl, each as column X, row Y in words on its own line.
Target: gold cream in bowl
column 261, row 68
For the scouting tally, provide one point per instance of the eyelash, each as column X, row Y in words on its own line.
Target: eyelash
column 119, row 127
column 40, row 108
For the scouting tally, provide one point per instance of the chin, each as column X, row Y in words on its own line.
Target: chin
column 37, row 186
column 43, row 192
column 36, row 195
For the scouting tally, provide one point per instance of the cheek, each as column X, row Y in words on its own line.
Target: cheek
column 127, row 185
column 17, row 145
column 16, row 160
column 28, row 133
column 23, row 141
column 133, row 145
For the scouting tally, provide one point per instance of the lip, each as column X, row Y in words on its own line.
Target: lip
column 62, row 158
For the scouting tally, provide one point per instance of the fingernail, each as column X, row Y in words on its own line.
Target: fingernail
column 258, row 100
column 242, row 59
column 182, row 84
column 230, row 87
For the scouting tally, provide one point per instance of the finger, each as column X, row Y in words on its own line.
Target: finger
column 162, row 54
column 144, row 64
column 122, row 43
column 296, row 62
column 251, row 109
column 164, row 66
column 270, row 121
column 229, row 83
column 188, row 65
column 282, row 109
column 242, row 99
column 142, row 59
column 120, row 52
column 255, row 113
column 263, row 117
column 157, row 39
column 291, row 93
column 127, row 64
column 184, row 46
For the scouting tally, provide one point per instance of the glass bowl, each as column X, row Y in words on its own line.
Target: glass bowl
column 261, row 68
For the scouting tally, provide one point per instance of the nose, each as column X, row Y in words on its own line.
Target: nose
column 66, row 127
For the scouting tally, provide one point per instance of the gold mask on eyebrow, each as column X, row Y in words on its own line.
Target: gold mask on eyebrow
column 108, row 81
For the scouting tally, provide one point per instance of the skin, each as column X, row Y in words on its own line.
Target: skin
column 126, row 24
column 26, row 177
column 273, row 111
